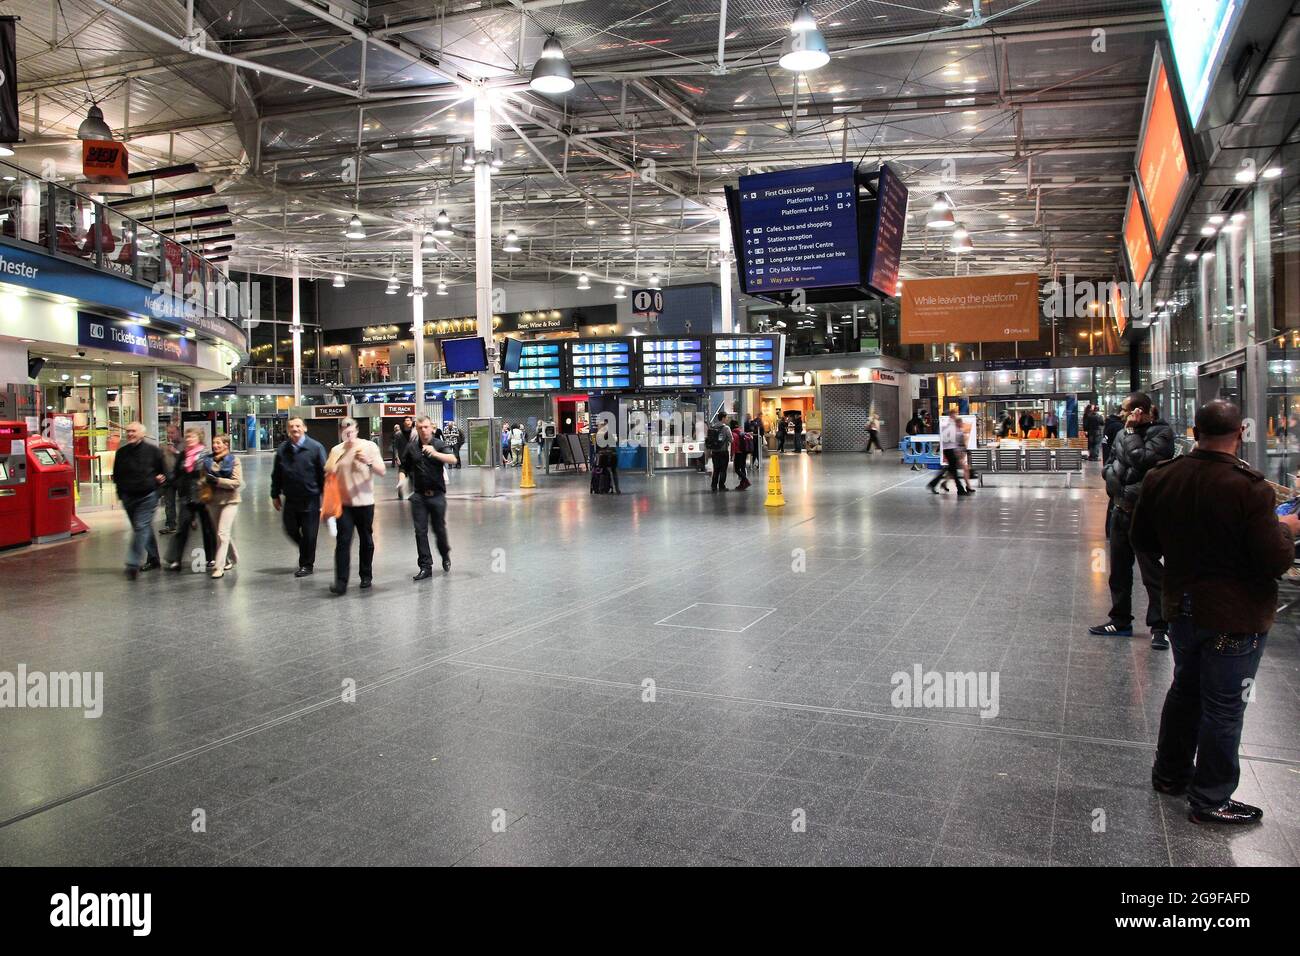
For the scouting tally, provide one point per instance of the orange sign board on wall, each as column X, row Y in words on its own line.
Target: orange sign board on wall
column 1136, row 243
column 1001, row 308
column 1162, row 161
column 104, row 161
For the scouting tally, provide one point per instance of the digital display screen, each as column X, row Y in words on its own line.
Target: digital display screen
column 540, row 368
column 601, row 364
column 672, row 363
column 753, row 360
column 799, row 229
column 1162, row 156
column 1200, row 31
column 511, row 353
column 463, row 356
column 891, row 221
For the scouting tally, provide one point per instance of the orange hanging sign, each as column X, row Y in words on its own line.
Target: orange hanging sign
column 104, row 161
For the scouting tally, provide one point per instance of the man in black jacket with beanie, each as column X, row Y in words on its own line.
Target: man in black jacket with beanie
column 1142, row 444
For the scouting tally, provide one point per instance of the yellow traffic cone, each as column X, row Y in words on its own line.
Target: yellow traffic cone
column 774, row 497
column 526, row 476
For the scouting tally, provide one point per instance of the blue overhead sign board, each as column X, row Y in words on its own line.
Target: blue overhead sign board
column 1200, row 31
column 799, row 229
column 119, row 335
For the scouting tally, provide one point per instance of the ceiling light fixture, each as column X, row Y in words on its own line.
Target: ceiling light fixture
column 620, row 292
column 393, row 286
column 442, row 288
column 93, row 126
column 654, row 281
column 511, row 243
column 339, row 281
column 355, row 229
column 442, row 226
column 552, row 73
column 805, row 48
column 584, row 282
column 427, row 241
column 1245, row 172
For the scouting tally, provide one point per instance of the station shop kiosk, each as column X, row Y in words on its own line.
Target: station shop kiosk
column 322, row 422
column 379, row 419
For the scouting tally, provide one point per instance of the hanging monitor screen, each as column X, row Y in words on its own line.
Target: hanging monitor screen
column 1162, row 155
column 1199, row 31
column 464, row 356
column 601, row 364
column 511, row 353
column 540, row 368
column 746, row 360
column 887, row 243
column 672, row 363
column 798, row 229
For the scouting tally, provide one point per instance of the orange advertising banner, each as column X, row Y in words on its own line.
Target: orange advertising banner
column 104, row 161
column 1162, row 163
column 1001, row 308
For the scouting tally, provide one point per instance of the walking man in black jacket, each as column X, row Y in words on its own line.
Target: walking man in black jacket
column 423, row 463
column 1140, row 446
column 138, row 473
column 299, row 475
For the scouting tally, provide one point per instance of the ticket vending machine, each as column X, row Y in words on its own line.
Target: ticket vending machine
column 49, row 480
column 15, row 511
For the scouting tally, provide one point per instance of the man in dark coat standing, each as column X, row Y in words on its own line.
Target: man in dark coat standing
column 1213, row 519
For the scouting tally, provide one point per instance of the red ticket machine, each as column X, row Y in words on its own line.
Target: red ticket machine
column 15, row 511
column 49, row 481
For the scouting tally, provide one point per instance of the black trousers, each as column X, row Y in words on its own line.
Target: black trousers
column 1051, row 430
column 187, row 511
column 951, row 469
column 739, row 464
column 301, row 525
column 362, row 518
column 1200, row 726
column 1122, row 557
column 719, row 469
column 426, row 510
column 873, row 438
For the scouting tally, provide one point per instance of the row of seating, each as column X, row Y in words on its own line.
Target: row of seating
column 1026, row 461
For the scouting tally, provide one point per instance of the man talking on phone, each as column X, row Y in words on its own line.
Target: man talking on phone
column 1213, row 519
column 1140, row 446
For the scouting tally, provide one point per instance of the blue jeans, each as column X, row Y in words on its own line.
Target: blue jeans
column 1200, row 726
column 140, row 512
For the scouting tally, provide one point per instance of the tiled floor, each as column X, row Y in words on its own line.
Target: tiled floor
column 662, row 677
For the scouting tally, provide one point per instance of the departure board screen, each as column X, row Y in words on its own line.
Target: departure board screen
column 799, row 229
column 541, row 368
column 672, row 363
column 601, row 364
column 746, row 360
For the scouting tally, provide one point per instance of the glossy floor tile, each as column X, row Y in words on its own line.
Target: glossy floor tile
column 664, row 677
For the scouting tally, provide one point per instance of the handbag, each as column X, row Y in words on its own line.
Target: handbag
column 331, row 502
column 204, row 492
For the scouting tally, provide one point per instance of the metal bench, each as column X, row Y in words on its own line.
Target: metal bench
column 1068, row 461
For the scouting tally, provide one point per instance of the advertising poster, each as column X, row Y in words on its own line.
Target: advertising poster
column 999, row 308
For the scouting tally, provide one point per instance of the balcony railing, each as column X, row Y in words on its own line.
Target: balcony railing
column 400, row 373
column 284, row 376
column 63, row 222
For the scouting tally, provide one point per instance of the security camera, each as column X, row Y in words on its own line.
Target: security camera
column 81, row 353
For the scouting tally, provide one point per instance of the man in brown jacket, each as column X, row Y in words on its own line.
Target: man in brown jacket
column 1213, row 520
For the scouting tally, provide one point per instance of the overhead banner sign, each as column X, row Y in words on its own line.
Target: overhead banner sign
column 9, row 129
column 117, row 335
column 1000, row 308
column 891, row 220
column 104, row 161
column 1162, row 158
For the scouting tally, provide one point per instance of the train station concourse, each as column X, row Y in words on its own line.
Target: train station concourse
column 567, row 434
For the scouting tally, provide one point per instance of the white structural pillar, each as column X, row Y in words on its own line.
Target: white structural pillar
column 295, row 329
column 149, row 400
column 417, row 317
column 483, row 261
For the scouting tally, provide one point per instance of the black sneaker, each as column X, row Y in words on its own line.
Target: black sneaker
column 302, row 572
column 365, row 584
column 151, row 565
column 1111, row 630
column 446, row 565
column 338, row 589
column 1160, row 640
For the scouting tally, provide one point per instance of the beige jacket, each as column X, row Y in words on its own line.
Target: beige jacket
column 226, row 490
column 356, row 484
